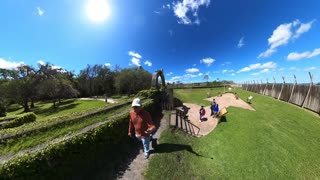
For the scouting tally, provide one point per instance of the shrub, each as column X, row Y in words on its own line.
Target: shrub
column 3, row 109
column 151, row 93
column 25, row 118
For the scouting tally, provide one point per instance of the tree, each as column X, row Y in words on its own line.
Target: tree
column 55, row 83
column 206, row 77
column 96, row 80
column 20, row 89
column 133, row 80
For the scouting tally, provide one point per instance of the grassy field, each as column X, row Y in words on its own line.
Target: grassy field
column 277, row 141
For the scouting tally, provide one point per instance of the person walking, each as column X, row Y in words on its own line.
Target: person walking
column 141, row 124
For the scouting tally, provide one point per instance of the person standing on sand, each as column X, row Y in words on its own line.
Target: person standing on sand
column 202, row 112
column 213, row 104
column 141, row 124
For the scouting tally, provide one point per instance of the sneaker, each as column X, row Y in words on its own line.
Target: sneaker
column 146, row 156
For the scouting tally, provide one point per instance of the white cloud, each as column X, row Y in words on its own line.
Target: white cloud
column 56, row 67
column 41, row 62
column 233, row 74
column 148, row 63
column 176, row 78
column 268, row 65
column 310, row 69
column 305, row 27
column 241, row 42
column 190, row 7
column 294, row 56
column 192, row 70
column 207, row 61
column 224, row 71
column 9, row 65
column 134, row 54
column 157, row 12
column 182, row 78
column 135, row 61
column 294, row 69
column 40, row 11
column 200, row 74
column 169, row 74
column 283, row 34
column 264, row 71
column 107, row 64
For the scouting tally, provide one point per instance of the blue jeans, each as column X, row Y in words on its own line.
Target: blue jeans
column 146, row 143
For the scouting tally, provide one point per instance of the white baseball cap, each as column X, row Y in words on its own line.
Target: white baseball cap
column 136, row 102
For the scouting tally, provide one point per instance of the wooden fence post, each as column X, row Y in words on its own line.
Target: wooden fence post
column 281, row 87
column 311, row 84
column 295, row 83
column 265, row 88
column 274, row 82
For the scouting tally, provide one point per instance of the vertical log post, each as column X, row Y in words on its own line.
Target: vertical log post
column 265, row 88
column 274, row 82
column 281, row 87
column 295, row 83
column 311, row 84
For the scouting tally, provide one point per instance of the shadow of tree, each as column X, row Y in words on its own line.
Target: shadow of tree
column 51, row 110
column 167, row 148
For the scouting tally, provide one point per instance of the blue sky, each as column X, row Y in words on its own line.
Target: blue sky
column 226, row 39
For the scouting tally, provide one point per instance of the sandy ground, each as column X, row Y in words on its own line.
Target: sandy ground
column 201, row 128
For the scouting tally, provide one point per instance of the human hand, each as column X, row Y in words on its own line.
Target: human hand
column 130, row 135
column 149, row 131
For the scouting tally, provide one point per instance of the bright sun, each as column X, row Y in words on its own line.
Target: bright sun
column 98, row 10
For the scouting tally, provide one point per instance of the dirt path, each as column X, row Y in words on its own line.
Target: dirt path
column 109, row 100
column 137, row 167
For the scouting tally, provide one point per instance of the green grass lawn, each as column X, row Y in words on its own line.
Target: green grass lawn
column 277, row 141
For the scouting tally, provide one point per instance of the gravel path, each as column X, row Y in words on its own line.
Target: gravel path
column 109, row 100
column 137, row 167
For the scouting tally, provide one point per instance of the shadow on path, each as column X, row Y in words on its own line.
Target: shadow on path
column 167, row 148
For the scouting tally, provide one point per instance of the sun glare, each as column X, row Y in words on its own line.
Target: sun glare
column 98, row 10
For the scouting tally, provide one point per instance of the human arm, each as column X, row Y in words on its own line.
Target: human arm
column 130, row 129
column 151, row 126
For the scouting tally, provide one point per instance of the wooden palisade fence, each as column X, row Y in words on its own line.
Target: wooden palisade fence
column 303, row 95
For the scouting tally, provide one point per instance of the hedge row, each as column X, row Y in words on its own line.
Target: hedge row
column 67, row 158
column 54, row 123
column 23, row 119
column 10, row 118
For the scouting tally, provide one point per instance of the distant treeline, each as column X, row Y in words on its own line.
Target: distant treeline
column 26, row 84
